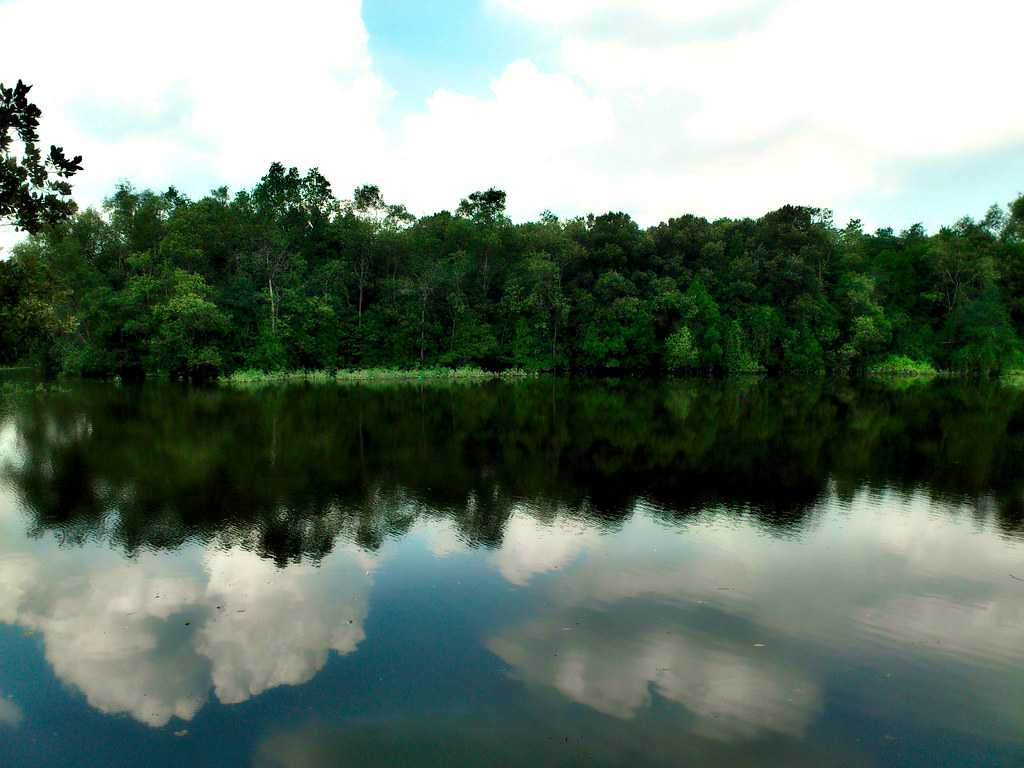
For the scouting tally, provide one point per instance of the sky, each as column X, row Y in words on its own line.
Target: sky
column 891, row 111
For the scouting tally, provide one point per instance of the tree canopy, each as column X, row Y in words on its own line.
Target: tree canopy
column 34, row 190
column 286, row 275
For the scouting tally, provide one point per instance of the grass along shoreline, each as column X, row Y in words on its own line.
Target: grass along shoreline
column 894, row 367
column 371, row 375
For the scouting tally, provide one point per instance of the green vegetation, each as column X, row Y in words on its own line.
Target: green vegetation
column 901, row 365
column 34, row 191
column 285, row 277
column 255, row 377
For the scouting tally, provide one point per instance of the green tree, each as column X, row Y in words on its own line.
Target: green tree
column 34, row 190
column 189, row 329
column 620, row 332
column 283, row 275
column 736, row 357
column 30, row 322
column 963, row 261
column 681, row 353
column 982, row 335
column 702, row 317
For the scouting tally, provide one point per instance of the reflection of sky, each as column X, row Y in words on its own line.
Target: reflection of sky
column 716, row 616
column 903, row 610
column 616, row 664
column 150, row 637
column 530, row 547
column 10, row 713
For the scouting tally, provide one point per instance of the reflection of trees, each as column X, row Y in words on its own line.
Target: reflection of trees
column 286, row 471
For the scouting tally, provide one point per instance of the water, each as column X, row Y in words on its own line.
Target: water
column 538, row 573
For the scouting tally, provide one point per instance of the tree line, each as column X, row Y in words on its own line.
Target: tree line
column 286, row 275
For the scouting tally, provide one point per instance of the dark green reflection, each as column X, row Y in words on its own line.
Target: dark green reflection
column 285, row 471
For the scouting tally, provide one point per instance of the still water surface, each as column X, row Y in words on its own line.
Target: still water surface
column 755, row 572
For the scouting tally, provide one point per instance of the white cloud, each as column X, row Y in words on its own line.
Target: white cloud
column 159, row 93
column 657, row 107
column 532, row 136
column 804, row 101
column 577, row 11
column 911, row 77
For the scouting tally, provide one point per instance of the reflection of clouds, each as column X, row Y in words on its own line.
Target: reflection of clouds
column 441, row 537
column 105, row 633
column 8, row 440
column 291, row 620
column 10, row 713
column 530, row 547
column 881, row 560
column 732, row 691
column 990, row 631
column 614, row 635
column 18, row 573
column 12, row 528
column 911, row 575
column 882, row 577
column 526, row 742
column 147, row 637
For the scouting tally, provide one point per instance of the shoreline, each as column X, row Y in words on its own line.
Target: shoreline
column 440, row 375
column 371, row 375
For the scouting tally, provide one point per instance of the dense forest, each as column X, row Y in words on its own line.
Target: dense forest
column 287, row 276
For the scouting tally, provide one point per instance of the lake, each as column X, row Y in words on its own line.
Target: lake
column 548, row 572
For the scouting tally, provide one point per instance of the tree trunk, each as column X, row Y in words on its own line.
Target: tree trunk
column 273, row 306
column 423, row 329
column 554, row 341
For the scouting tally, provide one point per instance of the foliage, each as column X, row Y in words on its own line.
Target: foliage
column 33, row 190
column 29, row 321
column 681, row 352
column 188, row 328
column 286, row 276
column 901, row 365
column 982, row 336
column 252, row 377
